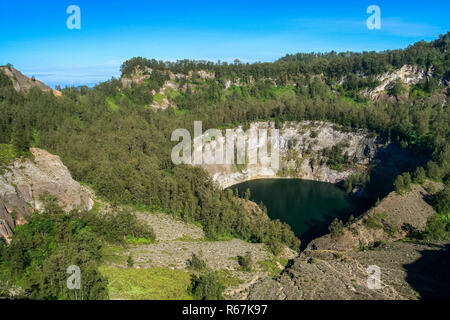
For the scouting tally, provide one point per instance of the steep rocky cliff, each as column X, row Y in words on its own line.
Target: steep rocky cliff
column 25, row 180
column 302, row 146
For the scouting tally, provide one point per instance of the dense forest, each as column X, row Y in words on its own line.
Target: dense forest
column 111, row 140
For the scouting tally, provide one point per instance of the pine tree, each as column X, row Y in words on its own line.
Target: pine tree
column 419, row 176
column 399, row 184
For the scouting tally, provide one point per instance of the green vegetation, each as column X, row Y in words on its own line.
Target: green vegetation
column 111, row 103
column 402, row 183
column 273, row 266
column 245, row 261
column 355, row 180
column 158, row 98
column 130, row 261
column 137, row 241
column 419, row 176
column 395, row 89
column 196, row 263
column 42, row 249
column 335, row 158
column 7, row 153
column 374, row 222
column 207, row 286
column 336, row 228
column 438, row 225
column 111, row 141
column 146, row 284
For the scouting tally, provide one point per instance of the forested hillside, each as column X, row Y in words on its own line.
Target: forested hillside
column 111, row 139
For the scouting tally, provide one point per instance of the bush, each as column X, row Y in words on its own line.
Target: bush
column 442, row 201
column 355, row 180
column 399, row 185
column 403, row 183
column 434, row 172
column 373, row 223
column 196, row 263
column 436, row 228
column 130, row 261
column 419, row 176
column 206, row 287
column 7, row 153
column 336, row 228
column 246, row 261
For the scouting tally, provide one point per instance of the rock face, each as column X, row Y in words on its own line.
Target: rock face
column 301, row 146
column 22, row 183
column 407, row 74
column 407, row 271
column 23, row 83
column 336, row 267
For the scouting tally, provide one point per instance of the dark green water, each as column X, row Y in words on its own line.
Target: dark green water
column 307, row 206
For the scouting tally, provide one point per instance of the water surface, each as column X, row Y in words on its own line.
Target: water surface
column 307, row 206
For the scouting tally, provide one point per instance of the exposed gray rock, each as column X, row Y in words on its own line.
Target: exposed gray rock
column 407, row 271
column 300, row 146
column 24, row 181
column 23, row 83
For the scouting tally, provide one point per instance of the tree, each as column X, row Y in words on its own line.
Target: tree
column 395, row 89
column 247, row 194
column 436, row 228
column 442, row 201
column 21, row 135
column 419, row 176
column 433, row 171
column 336, row 228
column 407, row 181
column 431, row 85
column 399, row 184
column 207, row 286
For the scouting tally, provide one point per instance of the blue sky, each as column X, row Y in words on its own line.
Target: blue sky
column 35, row 38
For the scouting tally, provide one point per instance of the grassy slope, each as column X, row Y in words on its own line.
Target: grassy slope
column 147, row 284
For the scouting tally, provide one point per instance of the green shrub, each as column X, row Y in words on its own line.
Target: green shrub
column 196, row 263
column 442, row 201
column 130, row 261
column 7, row 153
column 437, row 228
column 336, row 228
column 373, row 222
column 245, row 261
column 207, row 286
column 419, row 176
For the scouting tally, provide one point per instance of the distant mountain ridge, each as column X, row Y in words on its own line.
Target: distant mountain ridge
column 24, row 83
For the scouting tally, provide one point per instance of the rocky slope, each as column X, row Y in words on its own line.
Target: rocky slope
column 24, row 83
column 407, row 74
column 335, row 267
column 25, row 180
column 301, row 154
column 408, row 271
column 175, row 243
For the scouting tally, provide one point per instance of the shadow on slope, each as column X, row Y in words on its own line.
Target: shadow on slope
column 430, row 274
